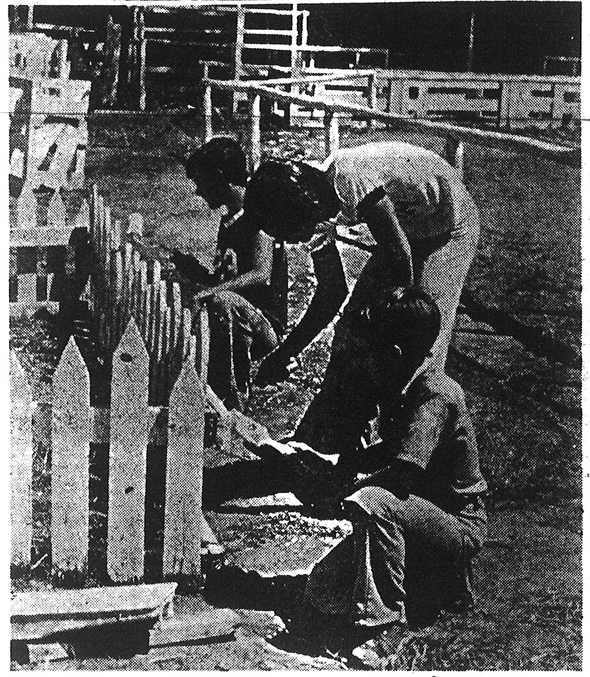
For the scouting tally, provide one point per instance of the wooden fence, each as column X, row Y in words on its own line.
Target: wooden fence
column 333, row 107
column 70, row 424
column 45, row 246
column 126, row 283
column 48, row 129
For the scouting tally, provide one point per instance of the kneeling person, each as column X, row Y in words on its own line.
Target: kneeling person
column 417, row 513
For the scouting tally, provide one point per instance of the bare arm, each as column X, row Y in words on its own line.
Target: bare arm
column 378, row 211
column 329, row 296
column 259, row 274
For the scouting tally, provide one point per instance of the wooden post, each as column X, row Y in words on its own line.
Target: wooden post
column 184, row 476
column 469, row 65
column 371, row 96
column 71, row 434
column 141, row 55
column 109, row 79
column 207, row 114
column 331, row 133
column 454, row 153
column 21, row 465
column 238, row 52
column 129, row 428
column 203, row 337
column 505, row 104
column 253, row 151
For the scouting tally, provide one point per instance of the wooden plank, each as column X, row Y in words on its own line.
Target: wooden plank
column 21, row 465
column 331, row 133
column 184, row 476
column 39, row 614
column 82, row 218
column 454, row 152
column 71, row 427
column 202, row 339
column 57, row 175
column 129, row 424
column 27, row 288
column 26, row 207
column 253, row 141
column 207, row 108
column 40, row 236
column 56, row 212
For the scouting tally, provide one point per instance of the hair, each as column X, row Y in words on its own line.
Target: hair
column 220, row 157
column 289, row 197
column 404, row 316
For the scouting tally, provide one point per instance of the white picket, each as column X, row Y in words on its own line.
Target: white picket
column 129, row 428
column 184, row 476
column 71, row 434
column 21, row 464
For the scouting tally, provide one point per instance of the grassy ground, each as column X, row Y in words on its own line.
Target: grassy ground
column 525, row 407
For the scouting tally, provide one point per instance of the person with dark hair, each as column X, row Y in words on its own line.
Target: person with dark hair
column 246, row 294
column 418, row 211
column 415, row 499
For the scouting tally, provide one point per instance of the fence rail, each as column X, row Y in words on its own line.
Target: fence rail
column 333, row 107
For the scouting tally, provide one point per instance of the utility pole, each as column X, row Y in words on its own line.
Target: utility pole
column 469, row 67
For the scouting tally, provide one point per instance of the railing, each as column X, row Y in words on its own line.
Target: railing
column 333, row 107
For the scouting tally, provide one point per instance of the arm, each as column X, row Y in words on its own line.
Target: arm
column 260, row 273
column 330, row 294
column 378, row 211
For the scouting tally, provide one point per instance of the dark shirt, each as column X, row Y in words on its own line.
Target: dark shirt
column 240, row 235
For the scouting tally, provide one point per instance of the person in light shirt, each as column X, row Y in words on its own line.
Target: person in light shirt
column 425, row 226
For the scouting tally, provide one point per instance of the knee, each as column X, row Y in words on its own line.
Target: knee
column 373, row 502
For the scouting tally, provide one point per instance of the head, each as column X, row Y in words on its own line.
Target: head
column 396, row 329
column 287, row 200
column 218, row 170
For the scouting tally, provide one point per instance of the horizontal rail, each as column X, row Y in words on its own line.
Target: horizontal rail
column 266, row 31
column 386, row 73
column 569, row 156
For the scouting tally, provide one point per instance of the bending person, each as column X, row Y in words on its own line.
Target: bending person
column 248, row 287
column 417, row 209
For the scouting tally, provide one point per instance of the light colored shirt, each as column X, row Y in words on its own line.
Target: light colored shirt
column 410, row 176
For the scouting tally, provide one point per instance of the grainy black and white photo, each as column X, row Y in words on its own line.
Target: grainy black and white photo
column 295, row 316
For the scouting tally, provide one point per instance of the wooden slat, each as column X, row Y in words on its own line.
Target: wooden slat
column 202, row 340
column 26, row 207
column 71, row 428
column 184, row 476
column 135, row 224
column 40, row 236
column 21, row 465
column 27, row 288
column 56, row 213
column 129, row 423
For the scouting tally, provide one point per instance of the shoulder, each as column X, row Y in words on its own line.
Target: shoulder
column 436, row 386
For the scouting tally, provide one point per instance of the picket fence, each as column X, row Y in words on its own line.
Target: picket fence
column 44, row 245
column 128, row 426
column 126, row 283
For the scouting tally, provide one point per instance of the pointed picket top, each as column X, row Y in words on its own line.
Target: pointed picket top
column 21, row 464
column 72, row 362
column 56, row 213
column 184, row 475
column 135, row 224
column 82, row 218
column 26, row 207
column 71, row 435
column 130, row 420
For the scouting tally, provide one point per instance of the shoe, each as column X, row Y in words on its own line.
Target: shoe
column 380, row 652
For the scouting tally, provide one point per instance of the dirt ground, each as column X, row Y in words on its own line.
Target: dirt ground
column 526, row 410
